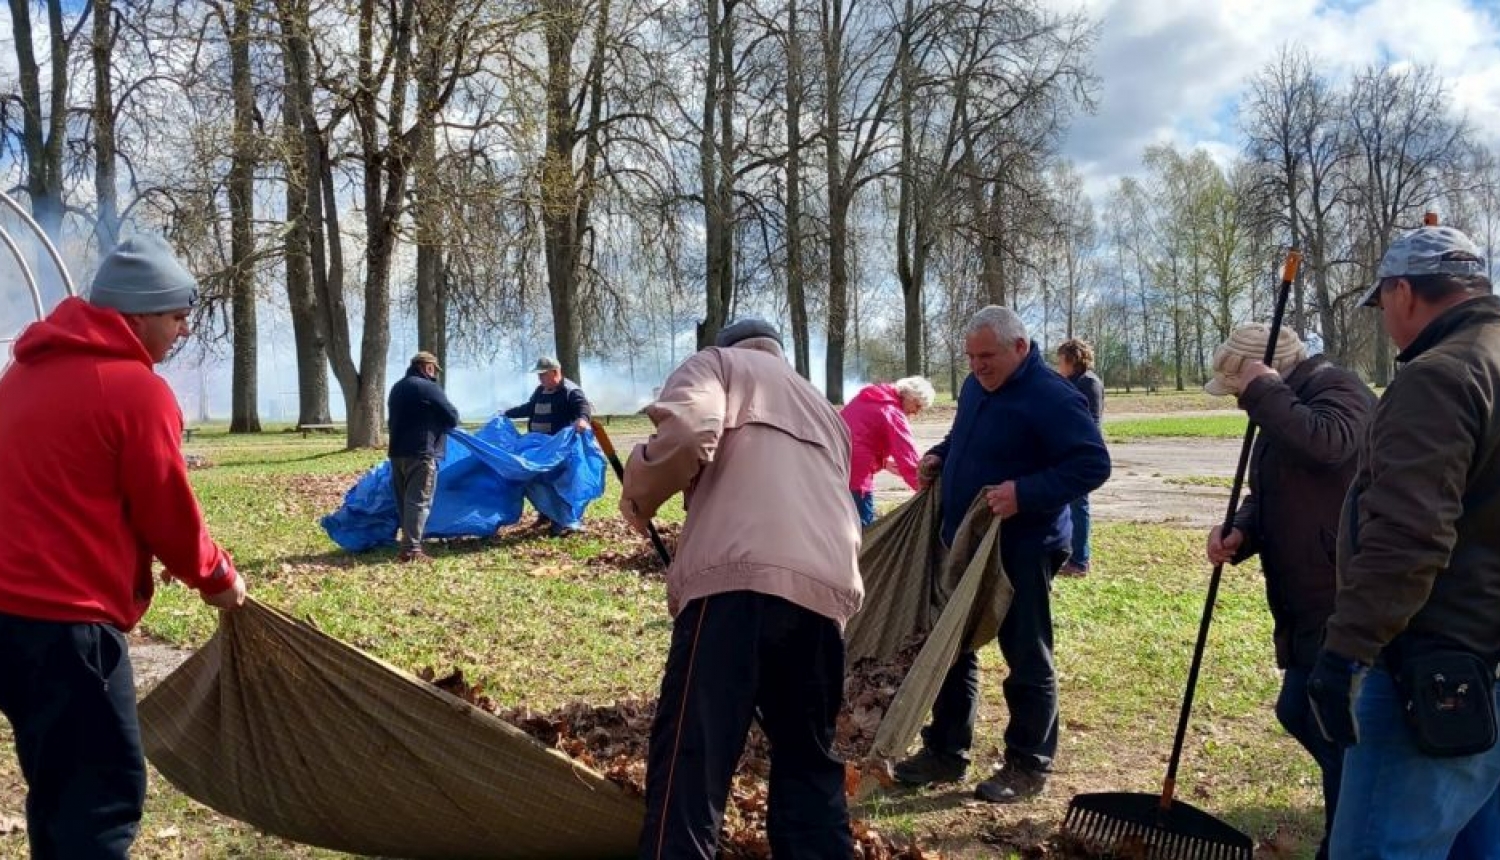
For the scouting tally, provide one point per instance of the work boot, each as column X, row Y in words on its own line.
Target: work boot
column 928, row 767
column 1073, row 570
column 1011, row 784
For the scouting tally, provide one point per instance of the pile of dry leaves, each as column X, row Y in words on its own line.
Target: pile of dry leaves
column 612, row 739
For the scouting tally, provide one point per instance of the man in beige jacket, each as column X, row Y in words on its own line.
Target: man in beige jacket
column 765, row 577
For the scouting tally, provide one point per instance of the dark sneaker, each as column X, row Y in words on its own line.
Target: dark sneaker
column 416, row 555
column 927, row 767
column 560, row 531
column 1073, row 570
column 541, row 522
column 1011, row 784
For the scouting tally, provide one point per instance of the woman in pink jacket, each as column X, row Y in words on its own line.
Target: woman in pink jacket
column 881, row 436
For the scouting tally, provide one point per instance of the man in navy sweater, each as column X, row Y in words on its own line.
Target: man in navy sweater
column 421, row 417
column 1025, row 440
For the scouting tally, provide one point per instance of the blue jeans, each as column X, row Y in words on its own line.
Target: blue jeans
column 864, row 503
column 1294, row 713
column 1398, row 804
column 1080, row 510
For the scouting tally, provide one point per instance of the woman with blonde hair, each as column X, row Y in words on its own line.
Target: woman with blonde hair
column 881, row 436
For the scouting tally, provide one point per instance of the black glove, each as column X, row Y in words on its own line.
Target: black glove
column 1332, row 689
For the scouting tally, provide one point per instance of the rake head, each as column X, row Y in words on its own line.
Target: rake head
column 1135, row 826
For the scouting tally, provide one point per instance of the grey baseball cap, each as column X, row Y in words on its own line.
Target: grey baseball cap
column 545, row 363
column 744, row 330
column 1421, row 252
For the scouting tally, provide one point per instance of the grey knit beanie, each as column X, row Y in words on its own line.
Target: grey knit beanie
column 142, row 276
column 746, row 329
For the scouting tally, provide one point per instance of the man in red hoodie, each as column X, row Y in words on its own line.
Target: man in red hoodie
column 92, row 487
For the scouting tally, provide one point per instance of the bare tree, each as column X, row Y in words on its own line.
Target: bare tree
column 107, row 221
column 244, row 417
column 1405, row 137
column 44, row 126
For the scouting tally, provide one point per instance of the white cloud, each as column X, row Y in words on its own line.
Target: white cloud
column 1173, row 70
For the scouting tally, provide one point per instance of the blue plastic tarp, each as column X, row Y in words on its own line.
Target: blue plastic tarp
column 482, row 480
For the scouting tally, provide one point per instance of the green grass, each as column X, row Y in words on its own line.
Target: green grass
column 1227, row 426
column 535, row 622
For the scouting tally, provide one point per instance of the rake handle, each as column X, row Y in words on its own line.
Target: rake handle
column 1169, row 785
column 614, row 461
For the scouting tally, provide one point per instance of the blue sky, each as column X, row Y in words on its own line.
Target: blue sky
column 1173, row 70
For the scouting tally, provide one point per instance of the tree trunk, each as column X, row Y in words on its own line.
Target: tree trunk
column 559, row 191
column 796, row 288
column 992, row 245
column 42, row 143
column 428, row 212
column 908, row 269
column 838, row 200
column 715, row 152
column 107, row 222
column 385, row 172
column 312, row 358
column 244, row 417
column 325, row 250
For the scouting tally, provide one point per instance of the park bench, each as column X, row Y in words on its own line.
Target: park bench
column 187, row 434
column 306, row 429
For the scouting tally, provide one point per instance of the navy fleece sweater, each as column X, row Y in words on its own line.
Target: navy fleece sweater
column 1036, row 430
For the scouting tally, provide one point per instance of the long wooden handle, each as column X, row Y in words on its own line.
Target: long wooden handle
column 1169, row 785
column 608, row 448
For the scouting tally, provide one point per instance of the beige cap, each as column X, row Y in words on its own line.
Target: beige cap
column 1248, row 343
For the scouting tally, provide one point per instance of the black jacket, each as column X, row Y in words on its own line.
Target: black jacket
column 420, row 416
column 1310, row 429
column 555, row 410
column 1091, row 387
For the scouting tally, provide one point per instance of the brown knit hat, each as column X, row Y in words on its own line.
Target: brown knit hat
column 1248, row 343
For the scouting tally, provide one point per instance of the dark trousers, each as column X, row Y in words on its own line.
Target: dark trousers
column 1030, row 687
column 414, row 479
column 735, row 657
column 69, row 694
column 1294, row 712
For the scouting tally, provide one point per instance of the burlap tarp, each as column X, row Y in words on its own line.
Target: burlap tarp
column 281, row 726
column 957, row 599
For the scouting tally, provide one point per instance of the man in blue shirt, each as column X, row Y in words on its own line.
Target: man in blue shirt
column 421, row 417
column 1024, row 439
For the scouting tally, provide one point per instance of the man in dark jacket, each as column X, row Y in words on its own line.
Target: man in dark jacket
column 1023, row 437
column 1075, row 361
column 556, row 404
column 421, row 417
column 1312, row 417
column 92, row 487
column 1419, row 564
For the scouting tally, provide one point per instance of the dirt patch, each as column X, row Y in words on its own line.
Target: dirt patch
column 152, row 661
